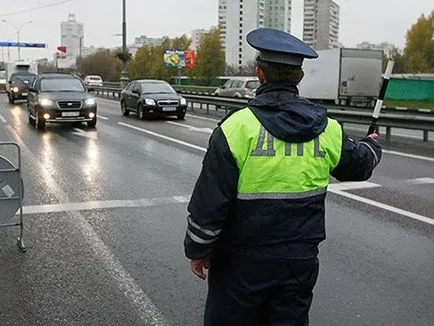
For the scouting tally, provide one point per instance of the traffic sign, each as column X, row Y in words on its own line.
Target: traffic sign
column 23, row 45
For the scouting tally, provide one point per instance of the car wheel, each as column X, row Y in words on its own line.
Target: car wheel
column 124, row 109
column 11, row 99
column 92, row 123
column 40, row 122
column 140, row 113
column 181, row 116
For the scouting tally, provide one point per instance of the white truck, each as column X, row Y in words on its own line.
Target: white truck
column 19, row 76
column 343, row 76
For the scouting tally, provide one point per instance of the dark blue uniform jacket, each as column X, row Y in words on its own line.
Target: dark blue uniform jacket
column 281, row 229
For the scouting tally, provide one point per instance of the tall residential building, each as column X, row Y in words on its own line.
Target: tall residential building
column 71, row 36
column 278, row 14
column 236, row 19
column 196, row 36
column 321, row 24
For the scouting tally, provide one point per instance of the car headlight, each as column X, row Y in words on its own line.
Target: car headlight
column 149, row 101
column 15, row 89
column 183, row 101
column 45, row 102
column 90, row 101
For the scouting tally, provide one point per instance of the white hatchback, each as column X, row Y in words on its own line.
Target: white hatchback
column 93, row 80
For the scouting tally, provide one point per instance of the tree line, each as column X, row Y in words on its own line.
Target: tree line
column 417, row 57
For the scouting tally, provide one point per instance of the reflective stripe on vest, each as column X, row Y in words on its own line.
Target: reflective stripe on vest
column 273, row 169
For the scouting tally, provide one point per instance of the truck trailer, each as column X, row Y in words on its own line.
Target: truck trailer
column 343, row 76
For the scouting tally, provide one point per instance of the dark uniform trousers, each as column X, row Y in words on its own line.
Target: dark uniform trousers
column 256, row 291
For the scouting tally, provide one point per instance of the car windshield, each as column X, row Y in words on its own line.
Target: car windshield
column 27, row 79
column 2, row 74
column 252, row 84
column 61, row 85
column 95, row 78
column 163, row 88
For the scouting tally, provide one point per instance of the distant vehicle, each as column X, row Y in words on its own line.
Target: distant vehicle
column 241, row 87
column 19, row 76
column 58, row 97
column 93, row 80
column 2, row 80
column 149, row 97
column 343, row 76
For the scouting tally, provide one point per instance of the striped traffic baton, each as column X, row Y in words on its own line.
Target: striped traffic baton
column 380, row 100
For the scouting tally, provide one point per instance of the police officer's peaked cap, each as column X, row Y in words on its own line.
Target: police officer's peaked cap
column 280, row 47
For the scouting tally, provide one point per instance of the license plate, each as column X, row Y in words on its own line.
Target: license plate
column 169, row 109
column 24, row 94
column 70, row 114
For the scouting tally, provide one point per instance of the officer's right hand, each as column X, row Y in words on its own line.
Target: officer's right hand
column 374, row 136
column 198, row 266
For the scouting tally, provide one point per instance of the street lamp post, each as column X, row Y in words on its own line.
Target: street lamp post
column 124, row 72
column 18, row 30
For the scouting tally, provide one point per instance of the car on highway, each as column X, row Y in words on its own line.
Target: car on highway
column 60, row 97
column 240, row 87
column 150, row 97
column 93, row 80
column 18, row 85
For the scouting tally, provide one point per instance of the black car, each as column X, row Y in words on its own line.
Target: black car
column 57, row 97
column 19, row 84
column 150, row 97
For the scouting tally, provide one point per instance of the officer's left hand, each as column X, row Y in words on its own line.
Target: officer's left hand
column 198, row 266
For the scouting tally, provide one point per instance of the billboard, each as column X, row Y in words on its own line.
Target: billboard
column 66, row 63
column 190, row 58
column 179, row 59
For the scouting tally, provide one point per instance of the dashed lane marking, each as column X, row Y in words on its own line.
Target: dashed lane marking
column 352, row 186
column 193, row 128
column 202, row 149
column 421, row 181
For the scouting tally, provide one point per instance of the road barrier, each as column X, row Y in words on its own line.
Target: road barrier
column 390, row 118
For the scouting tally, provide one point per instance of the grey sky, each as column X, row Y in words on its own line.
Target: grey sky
column 361, row 20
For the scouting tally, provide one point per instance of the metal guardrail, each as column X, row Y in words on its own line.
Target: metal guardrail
column 390, row 118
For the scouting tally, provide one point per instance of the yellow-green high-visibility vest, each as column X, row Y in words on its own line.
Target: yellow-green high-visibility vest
column 271, row 168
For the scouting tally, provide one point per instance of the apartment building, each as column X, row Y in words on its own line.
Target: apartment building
column 321, row 24
column 278, row 14
column 236, row 19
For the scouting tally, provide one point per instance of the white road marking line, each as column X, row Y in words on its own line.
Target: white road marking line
column 389, row 208
column 102, row 117
column 2, row 119
column 203, row 118
column 352, row 186
column 145, row 308
column 83, row 206
column 203, row 149
column 421, row 181
column 193, row 128
column 418, row 157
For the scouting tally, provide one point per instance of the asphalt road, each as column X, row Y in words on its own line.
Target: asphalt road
column 105, row 216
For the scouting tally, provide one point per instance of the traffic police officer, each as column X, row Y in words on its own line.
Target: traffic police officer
column 256, row 215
